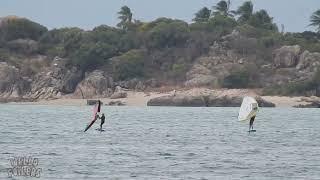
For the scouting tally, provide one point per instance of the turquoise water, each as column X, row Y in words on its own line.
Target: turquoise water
column 162, row 143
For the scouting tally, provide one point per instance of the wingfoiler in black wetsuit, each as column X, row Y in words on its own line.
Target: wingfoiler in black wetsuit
column 102, row 118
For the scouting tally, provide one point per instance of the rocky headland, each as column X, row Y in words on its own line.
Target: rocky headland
column 212, row 71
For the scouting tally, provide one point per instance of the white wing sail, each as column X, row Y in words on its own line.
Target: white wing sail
column 248, row 109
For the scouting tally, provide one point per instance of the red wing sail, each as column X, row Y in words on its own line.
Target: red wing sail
column 89, row 126
column 95, row 111
column 99, row 106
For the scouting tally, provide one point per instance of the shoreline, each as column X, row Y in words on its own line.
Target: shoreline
column 140, row 99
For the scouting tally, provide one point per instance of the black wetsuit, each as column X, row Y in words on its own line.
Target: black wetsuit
column 102, row 121
column 251, row 123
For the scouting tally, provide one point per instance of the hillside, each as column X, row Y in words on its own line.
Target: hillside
column 217, row 50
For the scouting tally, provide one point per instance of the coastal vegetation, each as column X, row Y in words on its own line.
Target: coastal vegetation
column 165, row 49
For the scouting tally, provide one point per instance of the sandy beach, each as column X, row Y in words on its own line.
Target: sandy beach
column 140, row 99
column 285, row 101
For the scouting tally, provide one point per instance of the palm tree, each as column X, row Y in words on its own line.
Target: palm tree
column 263, row 16
column 202, row 15
column 222, row 8
column 125, row 16
column 262, row 19
column 315, row 20
column 245, row 11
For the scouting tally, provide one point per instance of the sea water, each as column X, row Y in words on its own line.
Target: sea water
column 159, row 143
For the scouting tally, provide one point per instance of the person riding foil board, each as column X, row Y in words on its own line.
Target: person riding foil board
column 248, row 111
column 96, row 110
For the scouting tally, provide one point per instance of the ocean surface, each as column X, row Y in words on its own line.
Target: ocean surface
column 161, row 143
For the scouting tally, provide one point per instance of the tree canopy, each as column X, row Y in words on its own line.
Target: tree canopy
column 125, row 16
column 202, row 15
column 222, row 8
column 20, row 28
column 315, row 20
column 245, row 12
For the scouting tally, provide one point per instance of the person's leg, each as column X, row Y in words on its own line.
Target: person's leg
column 251, row 122
column 102, row 122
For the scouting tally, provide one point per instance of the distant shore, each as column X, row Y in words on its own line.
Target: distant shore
column 140, row 99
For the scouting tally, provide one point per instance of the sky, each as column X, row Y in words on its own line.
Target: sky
column 87, row 14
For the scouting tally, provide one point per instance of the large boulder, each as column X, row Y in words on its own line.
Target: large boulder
column 307, row 65
column 264, row 103
column 184, row 101
column 199, row 75
column 55, row 80
column 116, row 103
column 210, row 70
column 310, row 102
column 12, row 85
column 309, row 61
column 286, row 56
column 224, row 101
column 96, row 83
column 134, row 84
column 199, row 80
column 310, row 105
column 70, row 80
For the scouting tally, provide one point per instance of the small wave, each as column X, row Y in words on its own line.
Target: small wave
column 165, row 154
column 7, row 132
column 175, row 164
column 191, row 154
column 82, row 172
column 228, row 161
column 240, row 167
column 133, row 175
column 35, row 130
column 53, row 134
column 51, row 154
column 6, row 152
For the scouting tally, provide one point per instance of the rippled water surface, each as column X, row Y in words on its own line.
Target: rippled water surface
column 162, row 143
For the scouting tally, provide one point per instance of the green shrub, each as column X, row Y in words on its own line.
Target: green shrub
column 178, row 71
column 129, row 65
column 92, row 55
column 219, row 25
column 165, row 35
column 64, row 41
column 222, row 24
column 238, row 79
column 20, row 28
